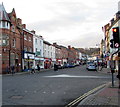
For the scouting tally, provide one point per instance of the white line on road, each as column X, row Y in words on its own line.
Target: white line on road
column 74, row 76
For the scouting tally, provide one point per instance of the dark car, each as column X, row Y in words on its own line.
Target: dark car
column 71, row 65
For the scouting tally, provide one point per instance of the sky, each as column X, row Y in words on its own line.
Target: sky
column 67, row 22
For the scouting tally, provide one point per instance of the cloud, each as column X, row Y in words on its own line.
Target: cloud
column 87, row 40
column 66, row 21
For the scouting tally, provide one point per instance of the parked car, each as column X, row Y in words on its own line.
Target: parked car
column 71, row 65
column 91, row 67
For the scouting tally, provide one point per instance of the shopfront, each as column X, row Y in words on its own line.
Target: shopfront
column 39, row 61
column 47, row 63
column 28, row 60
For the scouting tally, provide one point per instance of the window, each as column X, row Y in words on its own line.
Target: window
column 40, row 52
column 13, row 28
column 25, row 37
column 0, row 42
column 25, row 48
column 36, row 49
column 40, row 42
column 30, row 39
column 3, row 24
column 30, row 49
column 13, row 42
column 0, row 24
column 35, row 41
column 4, row 40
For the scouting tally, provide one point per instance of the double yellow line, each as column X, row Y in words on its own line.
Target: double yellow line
column 74, row 102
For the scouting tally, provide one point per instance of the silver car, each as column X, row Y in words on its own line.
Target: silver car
column 91, row 67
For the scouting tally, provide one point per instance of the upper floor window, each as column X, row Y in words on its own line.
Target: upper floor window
column 14, row 42
column 40, row 42
column 25, row 37
column 3, row 24
column 4, row 40
column 30, row 49
column 36, row 50
column 30, row 39
column 13, row 28
column 25, row 48
column 35, row 41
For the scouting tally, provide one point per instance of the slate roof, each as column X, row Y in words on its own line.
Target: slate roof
column 3, row 13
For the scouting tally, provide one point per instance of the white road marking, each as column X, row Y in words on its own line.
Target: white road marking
column 53, row 92
column 44, row 92
column 26, row 91
column 74, row 76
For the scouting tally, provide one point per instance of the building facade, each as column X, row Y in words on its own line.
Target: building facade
column 27, row 44
column 109, row 52
column 46, row 54
column 38, row 50
column 10, row 40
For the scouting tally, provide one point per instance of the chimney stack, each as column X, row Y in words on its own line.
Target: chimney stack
column 19, row 21
column 24, row 26
column 33, row 31
column 69, row 47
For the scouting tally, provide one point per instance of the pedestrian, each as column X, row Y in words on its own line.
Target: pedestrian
column 33, row 69
column 12, row 69
column 8, row 69
column 55, row 67
column 38, row 67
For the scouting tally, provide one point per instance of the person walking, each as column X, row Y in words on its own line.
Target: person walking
column 38, row 67
column 13, row 69
column 33, row 69
column 8, row 69
column 55, row 67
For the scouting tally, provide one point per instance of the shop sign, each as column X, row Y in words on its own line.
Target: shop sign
column 53, row 59
column 37, row 58
column 31, row 56
column 42, row 59
column 25, row 55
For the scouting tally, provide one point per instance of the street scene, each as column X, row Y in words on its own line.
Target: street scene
column 59, row 53
column 51, row 87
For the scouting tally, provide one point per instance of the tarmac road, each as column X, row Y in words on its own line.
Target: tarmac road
column 50, row 87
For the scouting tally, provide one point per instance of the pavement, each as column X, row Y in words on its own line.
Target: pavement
column 107, row 96
column 28, row 72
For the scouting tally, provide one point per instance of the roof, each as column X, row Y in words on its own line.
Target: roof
column 3, row 13
column 46, row 42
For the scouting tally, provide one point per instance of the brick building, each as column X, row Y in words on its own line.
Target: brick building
column 64, row 53
column 10, row 39
column 27, row 48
